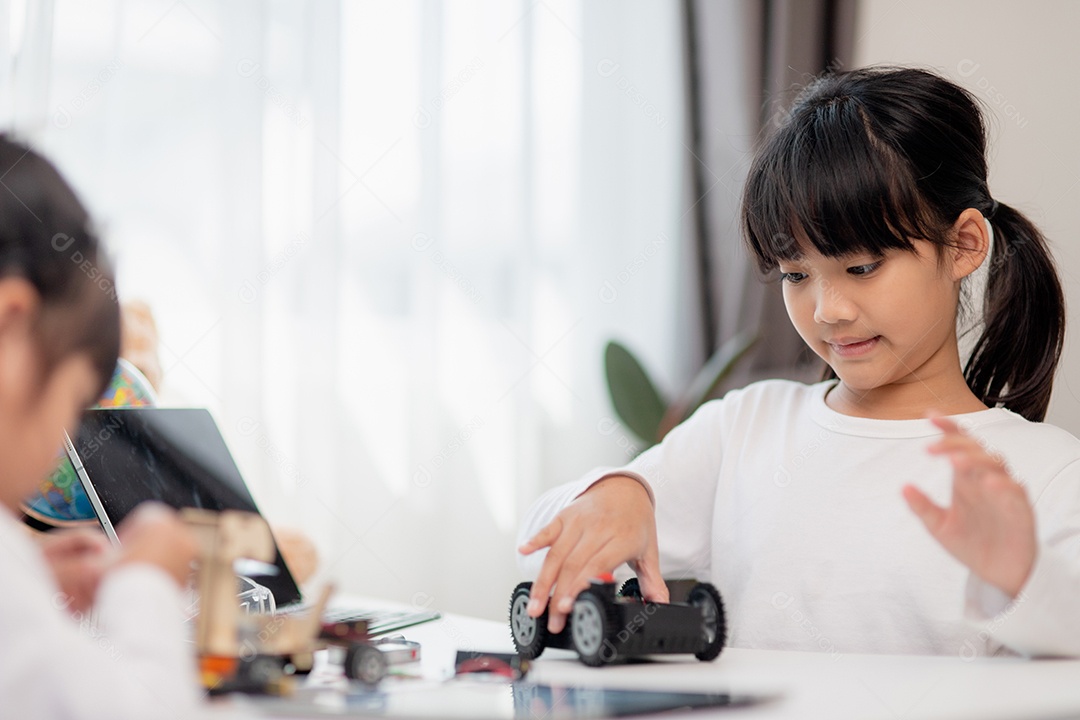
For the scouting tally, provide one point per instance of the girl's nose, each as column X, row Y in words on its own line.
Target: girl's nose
column 832, row 306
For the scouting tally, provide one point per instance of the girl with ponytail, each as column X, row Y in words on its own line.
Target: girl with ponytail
column 912, row 501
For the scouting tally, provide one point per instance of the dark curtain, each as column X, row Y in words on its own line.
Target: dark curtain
column 745, row 62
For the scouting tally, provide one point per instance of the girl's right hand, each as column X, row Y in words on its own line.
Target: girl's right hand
column 153, row 533
column 610, row 523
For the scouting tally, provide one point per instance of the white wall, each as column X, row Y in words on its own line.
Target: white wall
column 1020, row 58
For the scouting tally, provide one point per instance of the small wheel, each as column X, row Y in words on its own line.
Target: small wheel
column 529, row 633
column 714, row 627
column 365, row 663
column 261, row 670
column 590, row 629
column 631, row 589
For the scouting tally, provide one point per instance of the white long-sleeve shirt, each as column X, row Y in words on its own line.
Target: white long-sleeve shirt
column 53, row 666
column 795, row 513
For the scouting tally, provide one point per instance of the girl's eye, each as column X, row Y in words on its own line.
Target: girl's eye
column 792, row 277
column 865, row 269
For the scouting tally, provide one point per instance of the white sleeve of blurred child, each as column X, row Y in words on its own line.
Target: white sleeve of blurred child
column 135, row 663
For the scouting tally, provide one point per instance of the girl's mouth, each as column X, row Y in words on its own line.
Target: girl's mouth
column 853, row 347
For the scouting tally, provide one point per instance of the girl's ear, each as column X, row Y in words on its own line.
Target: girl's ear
column 971, row 243
column 19, row 363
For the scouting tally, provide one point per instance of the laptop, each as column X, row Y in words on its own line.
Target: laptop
column 177, row 456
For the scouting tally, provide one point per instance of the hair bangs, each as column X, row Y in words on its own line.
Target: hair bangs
column 824, row 180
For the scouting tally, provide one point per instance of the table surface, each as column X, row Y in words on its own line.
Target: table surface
column 891, row 687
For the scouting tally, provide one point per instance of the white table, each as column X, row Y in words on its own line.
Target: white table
column 809, row 685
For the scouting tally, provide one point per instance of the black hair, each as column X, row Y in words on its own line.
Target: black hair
column 868, row 160
column 46, row 237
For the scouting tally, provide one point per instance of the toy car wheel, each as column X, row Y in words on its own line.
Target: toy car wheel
column 365, row 663
column 529, row 633
column 590, row 629
column 714, row 630
column 261, row 670
column 631, row 589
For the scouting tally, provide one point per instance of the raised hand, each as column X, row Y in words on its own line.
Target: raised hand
column 155, row 534
column 610, row 523
column 78, row 559
column 990, row 525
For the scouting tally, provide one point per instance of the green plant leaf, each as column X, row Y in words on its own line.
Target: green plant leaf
column 637, row 402
column 716, row 368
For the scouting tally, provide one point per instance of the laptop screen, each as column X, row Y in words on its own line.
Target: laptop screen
column 175, row 456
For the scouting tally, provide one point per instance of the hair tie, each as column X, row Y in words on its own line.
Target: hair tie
column 993, row 210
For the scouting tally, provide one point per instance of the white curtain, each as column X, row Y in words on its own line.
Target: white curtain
column 385, row 244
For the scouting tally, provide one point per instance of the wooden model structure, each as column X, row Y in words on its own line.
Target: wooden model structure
column 257, row 652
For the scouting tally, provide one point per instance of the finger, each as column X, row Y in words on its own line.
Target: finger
column 588, row 560
column 969, row 468
column 551, row 569
column 542, row 539
column 85, row 541
column 949, row 443
column 946, row 425
column 955, row 439
column 959, row 437
column 556, row 622
column 582, row 564
column 88, row 577
column 150, row 513
column 931, row 515
column 78, row 579
column 74, row 542
column 961, row 442
column 653, row 587
column 562, row 603
column 972, row 452
column 556, row 614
